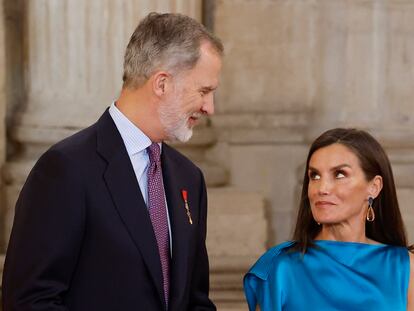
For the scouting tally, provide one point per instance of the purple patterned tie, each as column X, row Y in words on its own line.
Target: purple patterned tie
column 158, row 213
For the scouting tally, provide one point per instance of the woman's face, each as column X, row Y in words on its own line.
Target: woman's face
column 338, row 190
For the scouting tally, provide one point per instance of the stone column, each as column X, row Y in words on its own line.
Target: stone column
column 365, row 78
column 296, row 68
column 73, row 71
column 2, row 123
column 75, row 53
column 264, row 102
column 2, row 94
column 2, row 87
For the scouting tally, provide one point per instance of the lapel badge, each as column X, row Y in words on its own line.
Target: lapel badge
column 187, row 207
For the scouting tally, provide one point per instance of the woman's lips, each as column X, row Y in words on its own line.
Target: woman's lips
column 324, row 203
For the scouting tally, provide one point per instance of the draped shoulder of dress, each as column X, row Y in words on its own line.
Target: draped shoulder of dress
column 330, row 276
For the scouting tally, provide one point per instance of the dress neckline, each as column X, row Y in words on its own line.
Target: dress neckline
column 334, row 242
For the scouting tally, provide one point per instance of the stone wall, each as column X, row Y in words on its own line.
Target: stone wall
column 296, row 68
column 2, row 125
column 2, row 89
column 2, row 97
column 292, row 70
column 73, row 52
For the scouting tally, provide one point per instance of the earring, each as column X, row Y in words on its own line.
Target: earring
column 370, row 212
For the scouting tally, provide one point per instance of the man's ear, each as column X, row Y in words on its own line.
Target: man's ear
column 159, row 83
column 375, row 186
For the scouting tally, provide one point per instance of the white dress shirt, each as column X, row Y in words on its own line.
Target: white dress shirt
column 136, row 144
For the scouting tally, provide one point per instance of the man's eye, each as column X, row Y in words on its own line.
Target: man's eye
column 205, row 92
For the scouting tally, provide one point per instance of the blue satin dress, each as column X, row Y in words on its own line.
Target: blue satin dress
column 331, row 276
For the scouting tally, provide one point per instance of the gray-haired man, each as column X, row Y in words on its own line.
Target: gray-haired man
column 112, row 218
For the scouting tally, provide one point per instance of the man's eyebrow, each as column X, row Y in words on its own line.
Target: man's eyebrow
column 207, row 88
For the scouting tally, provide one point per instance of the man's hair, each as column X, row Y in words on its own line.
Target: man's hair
column 168, row 42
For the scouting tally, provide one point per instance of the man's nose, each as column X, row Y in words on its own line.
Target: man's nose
column 208, row 104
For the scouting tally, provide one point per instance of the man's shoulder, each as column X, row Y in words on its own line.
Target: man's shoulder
column 86, row 139
column 68, row 154
column 80, row 148
column 78, row 142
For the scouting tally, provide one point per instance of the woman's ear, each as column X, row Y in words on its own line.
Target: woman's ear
column 375, row 186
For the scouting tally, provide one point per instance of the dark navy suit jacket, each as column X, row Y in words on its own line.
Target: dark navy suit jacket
column 82, row 238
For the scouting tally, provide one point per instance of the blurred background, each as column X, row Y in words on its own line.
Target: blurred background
column 293, row 68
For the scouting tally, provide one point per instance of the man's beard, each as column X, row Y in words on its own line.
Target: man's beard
column 175, row 122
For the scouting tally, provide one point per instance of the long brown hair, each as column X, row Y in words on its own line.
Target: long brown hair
column 388, row 227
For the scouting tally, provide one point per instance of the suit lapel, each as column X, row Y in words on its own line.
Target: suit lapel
column 180, row 227
column 125, row 192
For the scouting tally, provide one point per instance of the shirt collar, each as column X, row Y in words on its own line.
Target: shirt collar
column 134, row 139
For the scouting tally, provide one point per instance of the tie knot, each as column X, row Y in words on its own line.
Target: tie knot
column 154, row 153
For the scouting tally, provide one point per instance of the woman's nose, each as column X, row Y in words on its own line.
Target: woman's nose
column 324, row 186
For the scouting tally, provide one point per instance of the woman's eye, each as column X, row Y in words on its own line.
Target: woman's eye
column 340, row 175
column 314, row 176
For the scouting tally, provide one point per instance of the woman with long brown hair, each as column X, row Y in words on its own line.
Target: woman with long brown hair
column 349, row 249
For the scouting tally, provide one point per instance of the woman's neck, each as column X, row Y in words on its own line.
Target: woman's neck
column 344, row 233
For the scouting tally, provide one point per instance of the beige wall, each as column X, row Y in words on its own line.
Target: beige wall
column 2, row 131
column 73, row 53
column 296, row 68
column 292, row 69
column 2, row 87
column 2, row 113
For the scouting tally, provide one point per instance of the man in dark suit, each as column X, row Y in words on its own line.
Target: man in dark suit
column 112, row 218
